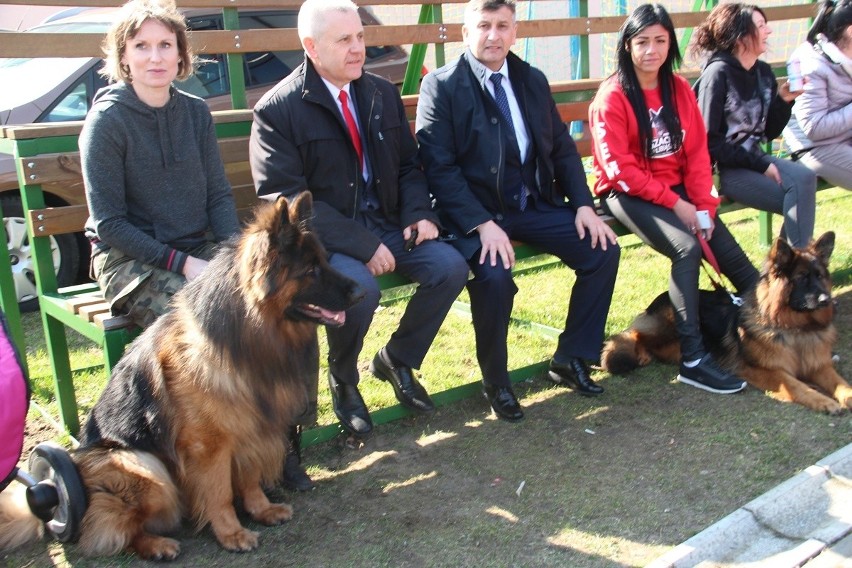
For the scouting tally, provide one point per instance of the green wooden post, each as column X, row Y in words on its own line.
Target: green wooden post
column 764, row 220
column 584, row 43
column 429, row 14
column 9, row 299
column 236, row 67
column 54, row 330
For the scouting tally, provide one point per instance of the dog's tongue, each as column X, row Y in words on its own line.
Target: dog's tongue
column 335, row 319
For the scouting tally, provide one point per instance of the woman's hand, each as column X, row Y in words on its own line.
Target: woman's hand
column 685, row 211
column 193, row 267
column 773, row 173
column 786, row 94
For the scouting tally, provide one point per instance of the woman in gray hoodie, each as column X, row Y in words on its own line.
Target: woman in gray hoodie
column 820, row 131
column 743, row 108
column 156, row 189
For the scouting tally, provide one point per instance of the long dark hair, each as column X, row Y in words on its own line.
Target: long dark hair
column 642, row 17
column 727, row 24
column 832, row 19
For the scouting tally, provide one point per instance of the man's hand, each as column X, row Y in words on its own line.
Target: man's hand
column 587, row 220
column 193, row 267
column 382, row 261
column 495, row 242
column 426, row 231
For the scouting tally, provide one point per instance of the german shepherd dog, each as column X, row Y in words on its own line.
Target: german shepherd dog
column 196, row 412
column 780, row 340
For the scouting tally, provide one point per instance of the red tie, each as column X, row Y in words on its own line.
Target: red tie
column 353, row 128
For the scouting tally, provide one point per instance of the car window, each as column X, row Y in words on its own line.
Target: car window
column 77, row 100
column 71, row 107
column 262, row 68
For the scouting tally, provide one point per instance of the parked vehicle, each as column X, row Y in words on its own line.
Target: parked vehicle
column 61, row 89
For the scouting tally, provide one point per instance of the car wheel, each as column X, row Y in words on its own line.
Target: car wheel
column 66, row 254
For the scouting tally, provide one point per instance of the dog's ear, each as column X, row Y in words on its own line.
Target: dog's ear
column 302, row 210
column 824, row 246
column 282, row 207
column 781, row 255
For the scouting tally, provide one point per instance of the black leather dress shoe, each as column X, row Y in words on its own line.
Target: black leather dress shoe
column 504, row 403
column 574, row 374
column 409, row 392
column 349, row 407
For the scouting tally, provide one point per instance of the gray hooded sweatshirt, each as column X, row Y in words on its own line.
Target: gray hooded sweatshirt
column 154, row 180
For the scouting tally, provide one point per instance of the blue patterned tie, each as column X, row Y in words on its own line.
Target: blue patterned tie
column 503, row 104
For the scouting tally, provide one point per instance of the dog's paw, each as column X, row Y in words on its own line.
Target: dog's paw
column 156, row 548
column 828, row 406
column 275, row 514
column 242, row 540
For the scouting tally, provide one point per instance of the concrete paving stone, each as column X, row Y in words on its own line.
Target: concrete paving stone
column 839, row 555
column 717, row 542
column 839, row 463
column 768, row 550
column 818, row 507
column 805, row 518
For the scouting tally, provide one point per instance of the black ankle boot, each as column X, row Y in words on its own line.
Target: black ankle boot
column 295, row 478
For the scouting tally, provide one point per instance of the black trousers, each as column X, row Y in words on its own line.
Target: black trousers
column 440, row 272
column 662, row 230
column 492, row 290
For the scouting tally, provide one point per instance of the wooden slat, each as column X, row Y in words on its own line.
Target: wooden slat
column 88, row 313
column 234, row 149
column 107, row 322
column 21, row 44
column 229, row 116
column 52, row 168
column 573, row 111
column 82, row 288
column 58, row 220
column 43, row 130
column 76, row 303
column 73, row 128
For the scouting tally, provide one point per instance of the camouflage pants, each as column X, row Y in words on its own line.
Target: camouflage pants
column 138, row 290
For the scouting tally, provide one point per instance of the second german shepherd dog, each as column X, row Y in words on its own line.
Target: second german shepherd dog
column 780, row 340
column 196, row 412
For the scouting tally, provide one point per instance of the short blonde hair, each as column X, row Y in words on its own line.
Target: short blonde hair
column 133, row 14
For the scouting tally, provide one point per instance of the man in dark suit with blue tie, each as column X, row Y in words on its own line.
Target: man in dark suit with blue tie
column 502, row 165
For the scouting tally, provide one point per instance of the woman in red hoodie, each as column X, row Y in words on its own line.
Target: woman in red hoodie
column 654, row 176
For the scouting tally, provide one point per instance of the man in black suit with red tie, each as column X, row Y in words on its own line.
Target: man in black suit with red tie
column 343, row 135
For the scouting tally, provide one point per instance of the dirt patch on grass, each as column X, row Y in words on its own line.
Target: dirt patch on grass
column 611, row 481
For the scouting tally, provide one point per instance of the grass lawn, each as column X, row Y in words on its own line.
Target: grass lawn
column 610, row 481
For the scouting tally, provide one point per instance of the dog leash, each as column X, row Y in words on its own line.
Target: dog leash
column 710, row 259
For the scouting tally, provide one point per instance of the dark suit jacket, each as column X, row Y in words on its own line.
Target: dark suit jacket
column 461, row 145
column 299, row 142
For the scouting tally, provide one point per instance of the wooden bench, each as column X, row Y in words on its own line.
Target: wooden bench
column 47, row 154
